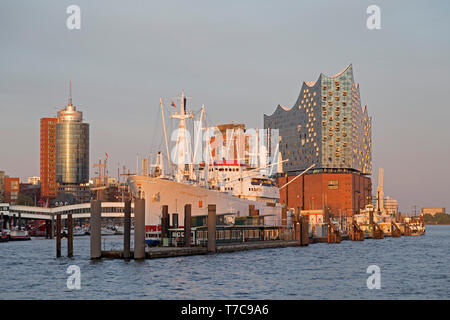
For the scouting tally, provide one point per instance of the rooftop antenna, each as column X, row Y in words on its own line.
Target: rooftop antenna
column 70, row 92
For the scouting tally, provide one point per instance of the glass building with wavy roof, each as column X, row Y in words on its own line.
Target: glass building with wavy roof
column 327, row 126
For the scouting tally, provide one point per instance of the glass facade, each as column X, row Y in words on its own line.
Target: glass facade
column 72, row 153
column 326, row 126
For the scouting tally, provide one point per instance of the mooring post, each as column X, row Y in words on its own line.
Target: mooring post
column 69, row 236
column 212, row 228
column 139, row 228
column 47, row 229
column 165, row 222
column 96, row 232
column 127, row 229
column 187, row 225
column 51, row 228
column 305, row 230
column 58, row 235
column 298, row 237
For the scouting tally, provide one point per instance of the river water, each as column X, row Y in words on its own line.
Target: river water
column 411, row 268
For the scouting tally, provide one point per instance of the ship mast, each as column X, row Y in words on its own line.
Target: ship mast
column 181, row 148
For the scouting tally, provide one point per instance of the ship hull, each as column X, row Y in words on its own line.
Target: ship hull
column 158, row 192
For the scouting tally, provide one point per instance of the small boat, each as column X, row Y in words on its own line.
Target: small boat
column 118, row 230
column 19, row 235
column 107, row 232
column 4, row 235
column 79, row 231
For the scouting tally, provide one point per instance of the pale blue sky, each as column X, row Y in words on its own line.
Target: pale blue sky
column 239, row 58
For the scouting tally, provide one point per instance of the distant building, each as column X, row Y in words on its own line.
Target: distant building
column 31, row 190
column 327, row 127
column 2, row 186
column 34, row 180
column 48, row 158
column 72, row 155
column 390, row 206
column 12, row 189
column 433, row 211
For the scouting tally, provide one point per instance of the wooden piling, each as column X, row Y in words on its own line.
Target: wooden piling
column 58, row 235
column 165, row 222
column 53, row 227
column 187, row 225
column 175, row 220
column 127, row 229
column 211, row 228
column 284, row 216
column 304, row 231
column 298, row 233
column 96, row 232
column 139, row 228
column 69, row 236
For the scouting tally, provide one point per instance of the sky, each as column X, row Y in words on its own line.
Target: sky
column 238, row 58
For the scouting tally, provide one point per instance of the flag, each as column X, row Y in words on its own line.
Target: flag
column 106, row 155
column 173, row 104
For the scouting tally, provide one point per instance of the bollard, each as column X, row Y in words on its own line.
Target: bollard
column 165, row 222
column 127, row 229
column 139, row 228
column 211, row 228
column 96, row 232
column 58, row 235
column 187, row 225
column 69, row 236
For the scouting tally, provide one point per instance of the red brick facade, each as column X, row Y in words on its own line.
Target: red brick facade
column 48, row 158
column 340, row 193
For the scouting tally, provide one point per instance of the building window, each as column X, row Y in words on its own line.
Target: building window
column 333, row 184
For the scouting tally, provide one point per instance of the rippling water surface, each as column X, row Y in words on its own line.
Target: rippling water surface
column 411, row 268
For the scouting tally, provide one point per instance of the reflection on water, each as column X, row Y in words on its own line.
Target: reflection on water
column 411, row 268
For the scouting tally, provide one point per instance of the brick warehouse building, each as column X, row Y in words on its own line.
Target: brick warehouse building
column 327, row 127
column 335, row 193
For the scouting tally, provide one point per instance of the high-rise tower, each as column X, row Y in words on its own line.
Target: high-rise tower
column 72, row 155
column 48, row 158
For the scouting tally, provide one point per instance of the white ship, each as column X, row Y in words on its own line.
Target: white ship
column 234, row 187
